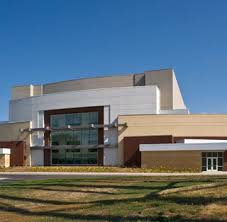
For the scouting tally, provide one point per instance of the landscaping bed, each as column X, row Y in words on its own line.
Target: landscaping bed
column 93, row 169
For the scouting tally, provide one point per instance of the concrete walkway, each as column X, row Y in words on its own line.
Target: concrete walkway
column 214, row 173
column 14, row 176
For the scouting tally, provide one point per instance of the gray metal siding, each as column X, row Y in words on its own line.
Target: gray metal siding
column 116, row 101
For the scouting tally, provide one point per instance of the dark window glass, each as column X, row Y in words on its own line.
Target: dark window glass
column 209, row 154
column 203, row 154
column 204, row 160
column 73, row 119
column 69, row 119
column 93, row 136
column 93, row 118
column 77, row 137
column 220, row 154
column 91, row 150
column 204, row 168
column 57, row 121
column 58, row 138
column 220, row 161
column 220, row 168
column 75, row 150
column 74, row 156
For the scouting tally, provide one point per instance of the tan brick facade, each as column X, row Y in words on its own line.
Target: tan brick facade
column 179, row 160
column 4, row 160
column 185, row 126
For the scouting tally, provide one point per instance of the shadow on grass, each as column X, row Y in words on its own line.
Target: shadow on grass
column 120, row 186
column 74, row 191
column 148, row 196
column 152, row 195
column 59, row 202
column 93, row 217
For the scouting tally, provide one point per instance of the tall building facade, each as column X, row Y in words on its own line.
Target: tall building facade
column 112, row 121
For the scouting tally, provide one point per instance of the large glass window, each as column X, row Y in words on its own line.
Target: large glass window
column 72, row 146
column 57, row 121
column 74, row 119
column 74, row 156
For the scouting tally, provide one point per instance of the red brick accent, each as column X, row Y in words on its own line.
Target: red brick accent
column 100, row 156
column 225, row 161
column 132, row 156
column 47, row 157
column 18, row 150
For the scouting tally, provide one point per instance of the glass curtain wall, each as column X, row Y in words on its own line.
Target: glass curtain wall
column 78, row 146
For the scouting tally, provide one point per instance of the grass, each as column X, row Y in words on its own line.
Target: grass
column 93, row 169
column 120, row 199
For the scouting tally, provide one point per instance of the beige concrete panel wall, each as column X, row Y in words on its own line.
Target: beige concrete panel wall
column 37, row 90
column 11, row 132
column 19, row 92
column 180, row 160
column 163, row 79
column 178, row 102
column 171, row 97
column 92, row 83
column 175, row 125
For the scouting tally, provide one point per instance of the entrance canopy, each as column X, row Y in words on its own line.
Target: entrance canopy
column 4, row 151
column 183, row 147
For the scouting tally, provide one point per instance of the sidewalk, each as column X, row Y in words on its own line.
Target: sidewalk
column 110, row 174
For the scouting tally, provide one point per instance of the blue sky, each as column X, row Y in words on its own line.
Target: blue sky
column 50, row 40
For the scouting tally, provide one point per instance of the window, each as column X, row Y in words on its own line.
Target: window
column 73, row 119
column 92, row 150
column 57, row 121
column 93, row 136
column 69, row 146
column 93, row 118
column 63, row 156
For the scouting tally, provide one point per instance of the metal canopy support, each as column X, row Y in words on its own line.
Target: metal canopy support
column 70, row 127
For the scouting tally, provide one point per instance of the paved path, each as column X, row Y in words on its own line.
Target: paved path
column 4, row 178
column 14, row 176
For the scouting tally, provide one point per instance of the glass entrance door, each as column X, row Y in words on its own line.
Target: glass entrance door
column 212, row 163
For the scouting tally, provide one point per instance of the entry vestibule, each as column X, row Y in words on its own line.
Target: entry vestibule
column 212, row 161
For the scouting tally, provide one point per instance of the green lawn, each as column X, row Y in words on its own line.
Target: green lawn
column 115, row 199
